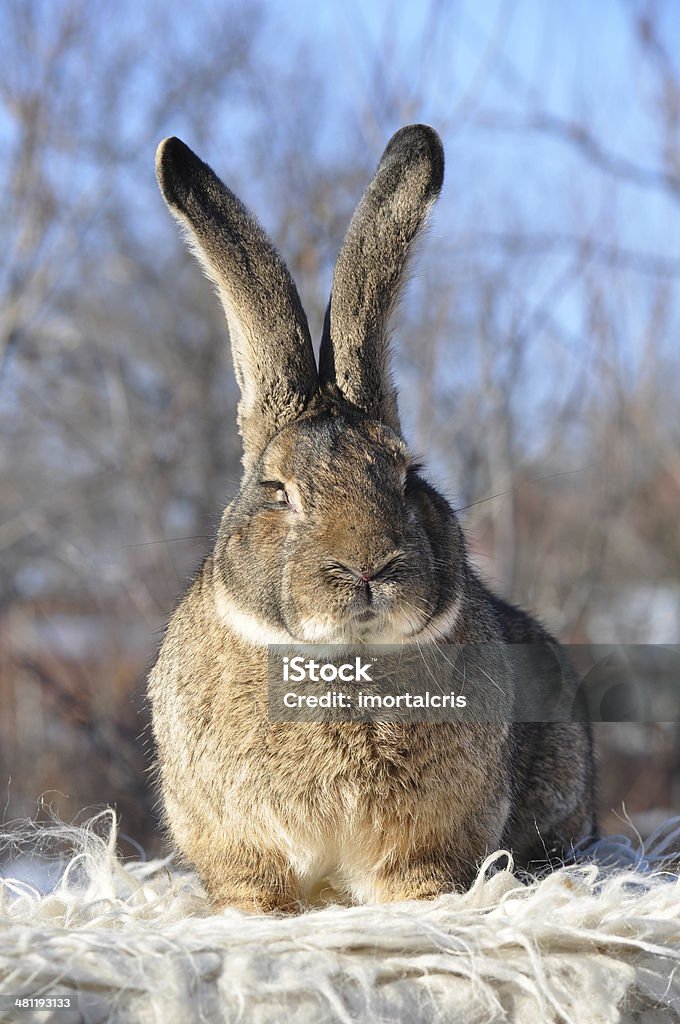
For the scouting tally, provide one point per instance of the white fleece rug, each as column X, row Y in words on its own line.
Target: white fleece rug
column 136, row 943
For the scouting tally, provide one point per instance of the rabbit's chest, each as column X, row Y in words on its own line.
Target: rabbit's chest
column 330, row 835
column 343, row 807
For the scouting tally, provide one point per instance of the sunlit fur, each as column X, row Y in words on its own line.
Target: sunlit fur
column 336, row 536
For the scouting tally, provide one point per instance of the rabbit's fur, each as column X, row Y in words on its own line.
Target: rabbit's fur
column 335, row 536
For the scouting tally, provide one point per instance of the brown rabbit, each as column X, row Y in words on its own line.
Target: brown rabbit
column 335, row 537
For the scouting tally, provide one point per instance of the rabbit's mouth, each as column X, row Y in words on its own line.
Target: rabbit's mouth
column 401, row 624
column 378, row 623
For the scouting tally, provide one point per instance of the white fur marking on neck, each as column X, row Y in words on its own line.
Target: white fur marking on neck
column 442, row 625
column 259, row 633
column 249, row 627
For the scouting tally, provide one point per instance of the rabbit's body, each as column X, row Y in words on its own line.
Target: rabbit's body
column 335, row 537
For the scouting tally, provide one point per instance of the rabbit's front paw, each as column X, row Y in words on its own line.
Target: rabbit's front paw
column 423, row 878
column 252, row 884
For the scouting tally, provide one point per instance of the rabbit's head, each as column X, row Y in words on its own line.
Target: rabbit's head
column 334, row 535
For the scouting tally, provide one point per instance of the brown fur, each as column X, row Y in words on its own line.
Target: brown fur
column 336, row 537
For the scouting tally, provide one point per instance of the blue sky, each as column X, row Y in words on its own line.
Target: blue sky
column 576, row 58
column 367, row 67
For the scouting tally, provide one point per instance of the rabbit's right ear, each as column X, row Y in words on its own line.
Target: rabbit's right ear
column 270, row 341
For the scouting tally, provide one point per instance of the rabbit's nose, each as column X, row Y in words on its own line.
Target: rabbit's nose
column 365, row 574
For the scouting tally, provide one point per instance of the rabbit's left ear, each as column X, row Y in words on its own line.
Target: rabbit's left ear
column 370, row 270
column 270, row 342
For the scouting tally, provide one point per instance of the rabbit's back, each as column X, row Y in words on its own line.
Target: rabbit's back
column 554, row 797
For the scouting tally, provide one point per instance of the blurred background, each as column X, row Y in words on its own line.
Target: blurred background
column 536, row 349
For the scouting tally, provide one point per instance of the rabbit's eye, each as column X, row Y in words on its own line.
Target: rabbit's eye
column 279, row 494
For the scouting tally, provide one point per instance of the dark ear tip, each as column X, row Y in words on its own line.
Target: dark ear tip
column 417, row 142
column 174, row 165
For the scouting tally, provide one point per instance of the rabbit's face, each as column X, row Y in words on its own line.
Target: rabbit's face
column 335, row 537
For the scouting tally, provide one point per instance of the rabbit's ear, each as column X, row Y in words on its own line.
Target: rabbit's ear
column 270, row 341
column 370, row 269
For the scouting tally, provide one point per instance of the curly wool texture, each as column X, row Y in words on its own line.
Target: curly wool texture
column 588, row 944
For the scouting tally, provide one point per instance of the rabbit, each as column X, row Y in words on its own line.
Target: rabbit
column 336, row 536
